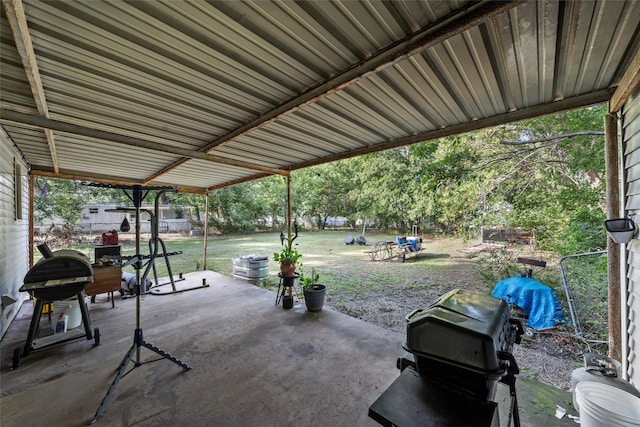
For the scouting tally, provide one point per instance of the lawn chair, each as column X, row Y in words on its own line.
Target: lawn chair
column 405, row 244
column 406, row 247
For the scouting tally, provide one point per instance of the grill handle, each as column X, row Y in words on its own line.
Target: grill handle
column 519, row 330
column 45, row 250
column 408, row 317
column 512, row 365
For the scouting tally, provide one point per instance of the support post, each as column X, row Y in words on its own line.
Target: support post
column 289, row 206
column 32, row 183
column 206, row 231
column 613, row 249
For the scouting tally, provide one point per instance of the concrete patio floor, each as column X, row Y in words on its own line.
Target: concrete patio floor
column 253, row 364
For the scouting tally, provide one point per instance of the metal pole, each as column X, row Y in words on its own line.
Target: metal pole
column 31, row 209
column 289, row 206
column 613, row 249
column 206, row 231
column 137, row 202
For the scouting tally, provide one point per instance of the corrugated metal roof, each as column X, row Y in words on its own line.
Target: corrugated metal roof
column 201, row 95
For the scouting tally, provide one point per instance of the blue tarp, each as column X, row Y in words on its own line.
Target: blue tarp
column 538, row 301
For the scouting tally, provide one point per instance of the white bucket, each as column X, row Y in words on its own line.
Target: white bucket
column 602, row 405
column 71, row 308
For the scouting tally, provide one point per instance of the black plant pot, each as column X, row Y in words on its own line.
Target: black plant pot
column 314, row 297
column 287, row 301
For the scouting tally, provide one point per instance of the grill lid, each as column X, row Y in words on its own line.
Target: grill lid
column 62, row 275
column 464, row 328
column 63, row 264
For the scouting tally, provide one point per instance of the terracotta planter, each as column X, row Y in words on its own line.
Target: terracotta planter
column 287, row 270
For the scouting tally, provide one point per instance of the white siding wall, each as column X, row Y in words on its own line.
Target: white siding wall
column 14, row 233
column 631, row 174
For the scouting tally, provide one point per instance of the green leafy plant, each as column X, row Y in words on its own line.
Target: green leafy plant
column 307, row 282
column 288, row 254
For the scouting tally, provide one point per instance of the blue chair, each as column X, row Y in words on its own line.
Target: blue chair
column 403, row 243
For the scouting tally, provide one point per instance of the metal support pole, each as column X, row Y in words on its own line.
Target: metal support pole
column 31, row 210
column 206, row 231
column 289, row 206
column 613, row 249
column 137, row 202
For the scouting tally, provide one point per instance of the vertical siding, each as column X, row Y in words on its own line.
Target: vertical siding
column 14, row 243
column 631, row 165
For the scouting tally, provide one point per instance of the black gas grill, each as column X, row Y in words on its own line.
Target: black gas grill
column 459, row 349
column 464, row 340
column 58, row 276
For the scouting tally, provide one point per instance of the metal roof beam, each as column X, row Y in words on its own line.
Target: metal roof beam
column 525, row 113
column 106, row 179
column 237, row 181
column 14, row 11
column 628, row 84
column 461, row 20
column 10, row 116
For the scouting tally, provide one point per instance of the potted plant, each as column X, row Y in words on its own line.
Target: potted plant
column 287, row 257
column 313, row 291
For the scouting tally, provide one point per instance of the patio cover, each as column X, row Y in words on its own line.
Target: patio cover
column 202, row 95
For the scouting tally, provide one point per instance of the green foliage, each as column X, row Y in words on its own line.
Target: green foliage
column 245, row 207
column 288, row 254
column 60, row 198
column 196, row 201
column 307, row 282
column 583, row 232
column 323, row 191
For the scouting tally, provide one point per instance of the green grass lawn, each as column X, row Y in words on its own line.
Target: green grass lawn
column 345, row 269
column 320, row 249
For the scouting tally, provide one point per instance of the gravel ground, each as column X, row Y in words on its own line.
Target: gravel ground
column 548, row 357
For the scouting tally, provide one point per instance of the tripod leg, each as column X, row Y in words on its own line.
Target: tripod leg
column 166, row 355
column 121, row 369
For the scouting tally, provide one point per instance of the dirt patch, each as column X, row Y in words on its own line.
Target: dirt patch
column 446, row 264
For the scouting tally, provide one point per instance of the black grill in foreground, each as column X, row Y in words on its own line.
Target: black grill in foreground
column 459, row 349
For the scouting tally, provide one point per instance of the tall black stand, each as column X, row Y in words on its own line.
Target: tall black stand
column 154, row 244
column 136, row 197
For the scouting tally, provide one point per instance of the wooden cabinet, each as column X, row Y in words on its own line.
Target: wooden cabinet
column 105, row 279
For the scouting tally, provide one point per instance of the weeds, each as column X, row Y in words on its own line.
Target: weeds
column 586, row 280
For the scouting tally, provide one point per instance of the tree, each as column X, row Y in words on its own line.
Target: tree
column 323, row 191
column 196, row 201
column 59, row 198
column 545, row 175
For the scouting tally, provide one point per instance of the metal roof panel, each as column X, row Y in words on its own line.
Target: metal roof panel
column 277, row 85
